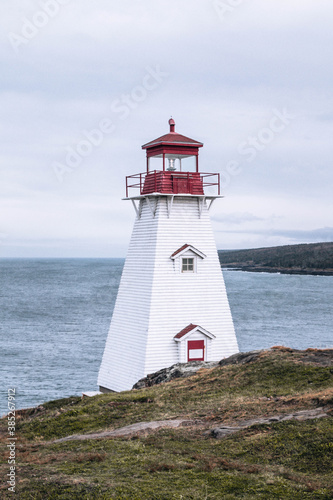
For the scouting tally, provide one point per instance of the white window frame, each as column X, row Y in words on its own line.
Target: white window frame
column 188, row 271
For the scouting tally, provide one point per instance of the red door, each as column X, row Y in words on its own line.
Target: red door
column 180, row 184
column 196, row 350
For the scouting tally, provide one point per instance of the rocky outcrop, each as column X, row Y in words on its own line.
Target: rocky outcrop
column 224, row 431
column 129, row 430
column 241, row 358
column 175, row 371
column 187, row 369
column 218, row 432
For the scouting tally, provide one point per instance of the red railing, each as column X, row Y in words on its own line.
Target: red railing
column 135, row 185
column 216, row 183
column 164, row 182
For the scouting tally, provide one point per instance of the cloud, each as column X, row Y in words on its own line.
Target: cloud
column 225, row 78
column 236, row 218
column 314, row 235
column 324, row 234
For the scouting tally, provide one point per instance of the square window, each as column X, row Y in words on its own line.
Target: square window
column 188, row 265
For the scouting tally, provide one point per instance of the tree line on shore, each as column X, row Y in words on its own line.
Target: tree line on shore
column 309, row 256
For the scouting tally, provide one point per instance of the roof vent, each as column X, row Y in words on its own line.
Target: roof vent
column 172, row 124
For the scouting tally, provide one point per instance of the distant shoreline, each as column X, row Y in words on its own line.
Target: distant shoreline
column 277, row 270
column 313, row 259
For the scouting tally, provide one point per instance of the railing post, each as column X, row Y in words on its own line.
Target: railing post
column 141, row 187
column 155, row 186
column 218, row 180
column 126, row 187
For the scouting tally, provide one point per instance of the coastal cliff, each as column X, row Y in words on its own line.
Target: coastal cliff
column 311, row 258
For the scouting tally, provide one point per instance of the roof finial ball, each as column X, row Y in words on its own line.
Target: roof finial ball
column 172, row 124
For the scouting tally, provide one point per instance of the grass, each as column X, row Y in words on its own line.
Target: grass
column 291, row 459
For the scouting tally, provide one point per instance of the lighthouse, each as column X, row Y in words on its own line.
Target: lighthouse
column 172, row 305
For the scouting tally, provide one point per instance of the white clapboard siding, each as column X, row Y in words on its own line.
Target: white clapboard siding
column 156, row 300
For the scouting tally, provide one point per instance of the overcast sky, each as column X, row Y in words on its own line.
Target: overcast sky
column 84, row 84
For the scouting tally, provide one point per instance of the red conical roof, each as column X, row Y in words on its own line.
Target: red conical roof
column 173, row 139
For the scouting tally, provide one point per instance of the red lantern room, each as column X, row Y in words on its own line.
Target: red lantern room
column 172, row 167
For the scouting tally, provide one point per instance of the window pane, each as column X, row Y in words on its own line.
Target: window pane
column 187, row 264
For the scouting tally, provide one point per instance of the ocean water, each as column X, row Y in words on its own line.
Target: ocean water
column 55, row 315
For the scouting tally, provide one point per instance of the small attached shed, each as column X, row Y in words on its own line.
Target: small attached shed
column 194, row 344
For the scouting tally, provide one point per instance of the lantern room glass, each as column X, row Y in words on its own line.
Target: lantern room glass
column 172, row 163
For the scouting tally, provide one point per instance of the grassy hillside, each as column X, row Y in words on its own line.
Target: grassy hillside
column 289, row 460
column 313, row 258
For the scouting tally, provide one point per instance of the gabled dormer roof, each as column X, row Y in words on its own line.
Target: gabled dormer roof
column 185, row 248
column 188, row 330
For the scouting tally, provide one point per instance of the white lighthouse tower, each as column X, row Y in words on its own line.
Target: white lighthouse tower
column 172, row 304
